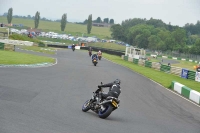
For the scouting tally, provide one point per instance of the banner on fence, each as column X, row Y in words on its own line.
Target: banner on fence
column 184, row 73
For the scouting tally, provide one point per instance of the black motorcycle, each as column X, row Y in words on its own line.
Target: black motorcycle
column 90, row 53
column 73, row 48
column 103, row 107
column 94, row 61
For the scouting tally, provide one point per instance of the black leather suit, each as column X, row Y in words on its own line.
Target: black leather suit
column 114, row 90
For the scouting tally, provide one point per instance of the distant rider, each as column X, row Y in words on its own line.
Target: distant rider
column 99, row 53
column 73, row 46
column 90, row 51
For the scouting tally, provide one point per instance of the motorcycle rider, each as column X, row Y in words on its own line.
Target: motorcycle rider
column 94, row 56
column 90, row 51
column 73, row 46
column 114, row 89
column 99, row 53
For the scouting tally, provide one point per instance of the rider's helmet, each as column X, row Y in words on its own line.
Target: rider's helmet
column 117, row 81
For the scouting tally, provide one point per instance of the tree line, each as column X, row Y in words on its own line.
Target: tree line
column 154, row 34
column 37, row 18
column 98, row 20
column 63, row 20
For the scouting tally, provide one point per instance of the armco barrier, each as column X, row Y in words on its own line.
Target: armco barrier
column 108, row 51
column 57, row 46
column 186, row 92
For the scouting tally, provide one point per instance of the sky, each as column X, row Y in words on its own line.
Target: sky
column 177, row 12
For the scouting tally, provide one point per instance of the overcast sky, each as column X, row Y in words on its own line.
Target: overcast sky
column 178, row 12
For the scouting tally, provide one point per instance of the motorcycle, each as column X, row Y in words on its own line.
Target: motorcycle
column 102, row 107
column 94, row 61
column 73, row 48
column 90, row 53
column 99, row 57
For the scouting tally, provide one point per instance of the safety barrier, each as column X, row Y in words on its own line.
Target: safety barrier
column 176, row 70
column 135, row 61
column 126, row 58
column 191, row 75
column 148, row 64
column 186, row 92
column 156, row 65
column 1, row 46
column 165, row 68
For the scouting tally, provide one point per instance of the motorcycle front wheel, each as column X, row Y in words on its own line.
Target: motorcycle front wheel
column 86, row 106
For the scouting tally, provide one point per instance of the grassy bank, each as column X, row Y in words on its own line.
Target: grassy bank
column 9, row 57
column 71, row 28
column 155, row 74
column 39, row 49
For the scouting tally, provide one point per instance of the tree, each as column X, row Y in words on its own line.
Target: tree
column 117, row 32
column 85, row 22
column 154, row 42
column 111, row 21
column 63, row 21
column 106, row 20
column 9, row 15
column 37, row 19
column 98, row 20
column 89, row 24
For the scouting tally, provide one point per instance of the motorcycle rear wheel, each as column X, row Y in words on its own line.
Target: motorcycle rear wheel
column 106, row 112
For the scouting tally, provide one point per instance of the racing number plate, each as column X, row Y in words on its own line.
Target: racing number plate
column 114, row 103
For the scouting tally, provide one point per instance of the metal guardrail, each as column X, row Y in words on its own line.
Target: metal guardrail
column 103, row 50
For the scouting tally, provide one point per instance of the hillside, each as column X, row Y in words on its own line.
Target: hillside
column 71, row 28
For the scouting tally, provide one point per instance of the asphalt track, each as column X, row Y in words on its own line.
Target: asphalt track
column 49, row 100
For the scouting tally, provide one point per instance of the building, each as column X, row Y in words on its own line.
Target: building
column 101, row 24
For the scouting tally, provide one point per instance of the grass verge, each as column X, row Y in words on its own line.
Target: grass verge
column 154, row 74
column 10, row 57
column 39, row 49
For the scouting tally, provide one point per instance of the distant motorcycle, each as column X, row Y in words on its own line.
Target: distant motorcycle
column 73, row 48
column 99, row 57
column 103, row 107
column 90, row 53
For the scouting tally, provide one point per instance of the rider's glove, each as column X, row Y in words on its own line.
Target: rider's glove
column 99, row 86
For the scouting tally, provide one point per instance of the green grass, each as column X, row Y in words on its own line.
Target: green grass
column 183, row 64
column 39, row 49
column 71, row 28
column 10, row 57
column 186, row 64
column 155, row 74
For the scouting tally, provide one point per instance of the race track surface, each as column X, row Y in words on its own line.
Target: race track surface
column 49, row 100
